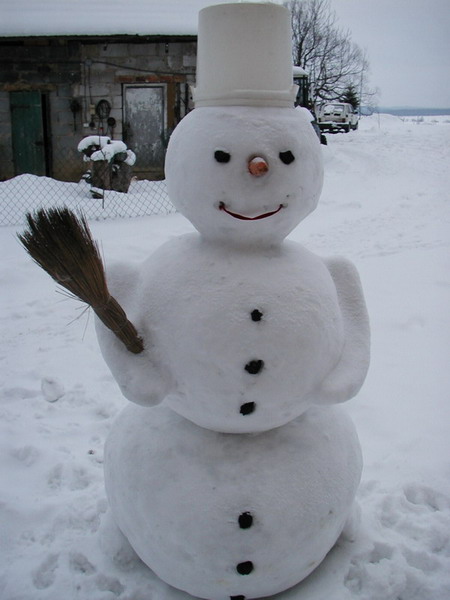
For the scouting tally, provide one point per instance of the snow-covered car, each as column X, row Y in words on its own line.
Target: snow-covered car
column 337, row 116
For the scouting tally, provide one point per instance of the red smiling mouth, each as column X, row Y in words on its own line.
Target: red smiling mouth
column 223, row 207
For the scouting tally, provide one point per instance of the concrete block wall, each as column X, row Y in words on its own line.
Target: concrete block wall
column 51, row 66
column 88, row 70
column 108, row 66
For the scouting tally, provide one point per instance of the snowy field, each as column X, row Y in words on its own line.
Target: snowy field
column 386, row 206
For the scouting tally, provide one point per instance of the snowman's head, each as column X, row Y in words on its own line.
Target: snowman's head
column 244, row 175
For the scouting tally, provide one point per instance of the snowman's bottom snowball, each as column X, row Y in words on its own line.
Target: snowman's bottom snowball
column 221, row 515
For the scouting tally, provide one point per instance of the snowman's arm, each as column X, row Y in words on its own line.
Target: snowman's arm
column 347, row 377
column 139, row 376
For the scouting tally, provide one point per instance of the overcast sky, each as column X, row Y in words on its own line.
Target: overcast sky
column 407, row 41
column 408, row 45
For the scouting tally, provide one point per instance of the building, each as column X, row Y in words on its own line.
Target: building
column 95, row 68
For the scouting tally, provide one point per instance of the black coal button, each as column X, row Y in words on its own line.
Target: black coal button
column 245, row 520
column 245, row 568
column 237, row 597
column 254, row 366
column 256, row 315
column 247, row 408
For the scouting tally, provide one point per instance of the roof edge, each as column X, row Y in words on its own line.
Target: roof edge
column 94, row 38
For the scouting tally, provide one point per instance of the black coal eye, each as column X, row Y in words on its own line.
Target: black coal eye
column 222, row 156
column 287, row 157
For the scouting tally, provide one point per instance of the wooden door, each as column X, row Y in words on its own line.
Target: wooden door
column 28, row 136
column 145, row 127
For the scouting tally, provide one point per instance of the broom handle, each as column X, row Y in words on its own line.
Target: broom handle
column 113, row 316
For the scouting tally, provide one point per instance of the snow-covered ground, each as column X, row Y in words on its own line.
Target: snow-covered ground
column 386, row 206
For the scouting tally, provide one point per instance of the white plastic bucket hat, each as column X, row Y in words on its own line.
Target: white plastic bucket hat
column 244, row 56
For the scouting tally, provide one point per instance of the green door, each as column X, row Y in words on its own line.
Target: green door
column 28, row 133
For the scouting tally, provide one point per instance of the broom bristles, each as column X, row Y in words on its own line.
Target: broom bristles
column 61, row 243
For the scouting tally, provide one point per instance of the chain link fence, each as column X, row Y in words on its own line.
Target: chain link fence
column 27, row 193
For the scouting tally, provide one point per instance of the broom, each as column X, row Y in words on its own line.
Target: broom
column 62, row 244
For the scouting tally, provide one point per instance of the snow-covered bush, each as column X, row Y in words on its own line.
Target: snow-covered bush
column 111, row 162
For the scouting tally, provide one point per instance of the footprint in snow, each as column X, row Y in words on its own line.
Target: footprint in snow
column 44, row 575
column 74, row 477
column 80, row 564
column 27, row 455
column 410, row 559
column 109, row 584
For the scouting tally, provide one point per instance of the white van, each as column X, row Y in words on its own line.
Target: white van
column 337, row 116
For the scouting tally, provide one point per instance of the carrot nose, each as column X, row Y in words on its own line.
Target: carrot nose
column 257, row 166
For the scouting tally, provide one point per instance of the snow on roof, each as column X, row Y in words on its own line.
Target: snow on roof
column 100, row 17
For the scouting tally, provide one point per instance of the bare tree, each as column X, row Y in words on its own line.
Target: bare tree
column 331, row 59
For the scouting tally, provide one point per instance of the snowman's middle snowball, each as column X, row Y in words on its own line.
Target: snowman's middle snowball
column 247, row 338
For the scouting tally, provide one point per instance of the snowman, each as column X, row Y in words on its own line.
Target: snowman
column 232, row 473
